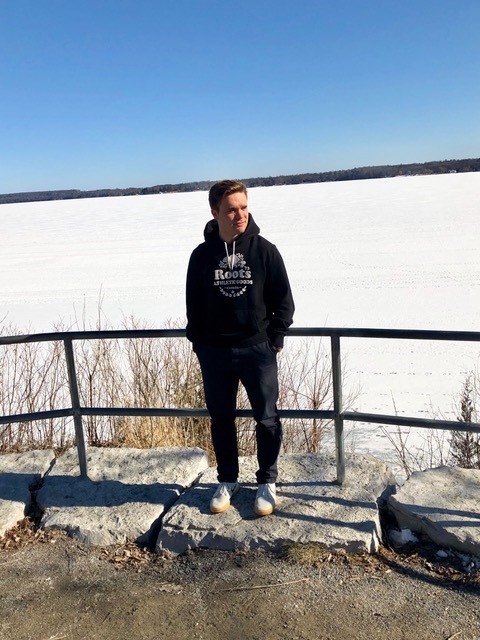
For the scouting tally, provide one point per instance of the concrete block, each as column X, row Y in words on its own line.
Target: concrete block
column 444, row 504
column 311, row 508
column 18, row 473
column 125, row 495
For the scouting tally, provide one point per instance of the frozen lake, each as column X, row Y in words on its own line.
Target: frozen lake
column 389, row 253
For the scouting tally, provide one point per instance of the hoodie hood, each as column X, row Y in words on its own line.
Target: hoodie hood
column 211, row 230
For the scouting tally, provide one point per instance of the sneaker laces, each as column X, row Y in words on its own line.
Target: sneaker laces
column 223, row 490
column 266, row 492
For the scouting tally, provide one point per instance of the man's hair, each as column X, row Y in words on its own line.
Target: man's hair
column 224, row 188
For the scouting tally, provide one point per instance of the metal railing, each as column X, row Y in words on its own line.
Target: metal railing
column 337, row 414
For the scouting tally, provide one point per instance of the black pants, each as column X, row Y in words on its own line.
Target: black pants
column 256, row 367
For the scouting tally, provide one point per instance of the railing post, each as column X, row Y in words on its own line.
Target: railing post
column 337, row 407
column 77, row 416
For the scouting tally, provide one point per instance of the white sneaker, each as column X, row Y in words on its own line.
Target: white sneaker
column 266, row 499
column 221, row 498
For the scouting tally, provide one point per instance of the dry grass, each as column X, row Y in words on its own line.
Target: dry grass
column 159, row 372
column 164, row 372
column 308, row 554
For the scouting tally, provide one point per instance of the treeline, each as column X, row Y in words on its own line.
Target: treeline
column 365, row 173
column 359, row 173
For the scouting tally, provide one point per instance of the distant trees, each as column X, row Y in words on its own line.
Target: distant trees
column 358, row 173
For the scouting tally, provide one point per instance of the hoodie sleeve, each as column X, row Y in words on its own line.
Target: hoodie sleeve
column 193, row 299
column 278, row 299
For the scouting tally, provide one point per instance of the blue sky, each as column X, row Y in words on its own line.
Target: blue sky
column 119, row 93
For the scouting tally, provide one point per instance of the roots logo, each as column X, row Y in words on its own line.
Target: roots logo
column 233, row 276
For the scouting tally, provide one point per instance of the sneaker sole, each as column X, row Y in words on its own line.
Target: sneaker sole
column 225, row 506
column 264, row 512
column 220, row 509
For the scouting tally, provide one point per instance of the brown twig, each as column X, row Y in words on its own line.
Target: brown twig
column 264, row 586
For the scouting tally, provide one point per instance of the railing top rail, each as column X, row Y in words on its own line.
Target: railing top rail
column 407, row 334
column 94, row 335
column 345, row 332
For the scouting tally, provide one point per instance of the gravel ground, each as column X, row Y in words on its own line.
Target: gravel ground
column 53, row 588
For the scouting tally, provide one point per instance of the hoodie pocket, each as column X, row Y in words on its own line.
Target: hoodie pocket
column 242, row 323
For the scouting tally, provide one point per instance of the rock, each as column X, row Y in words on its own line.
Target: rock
column 442, row 503
column 311, row 508
column 125, row 496
column 19, row 472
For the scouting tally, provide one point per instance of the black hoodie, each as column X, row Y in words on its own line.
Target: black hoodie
column 237, row 294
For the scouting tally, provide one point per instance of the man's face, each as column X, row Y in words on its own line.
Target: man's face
column 232, row 216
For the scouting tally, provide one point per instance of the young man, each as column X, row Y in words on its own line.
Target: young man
column 239, row 307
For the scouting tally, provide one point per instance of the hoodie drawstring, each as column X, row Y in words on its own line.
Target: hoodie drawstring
column 230, row 259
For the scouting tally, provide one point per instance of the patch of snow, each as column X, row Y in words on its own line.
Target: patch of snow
column 402, row 537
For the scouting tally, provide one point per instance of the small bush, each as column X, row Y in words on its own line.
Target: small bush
column 465, row 446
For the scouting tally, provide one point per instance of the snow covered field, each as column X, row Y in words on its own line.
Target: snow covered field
column 390, row 253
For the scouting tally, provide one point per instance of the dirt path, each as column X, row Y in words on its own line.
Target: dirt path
column 52, row 588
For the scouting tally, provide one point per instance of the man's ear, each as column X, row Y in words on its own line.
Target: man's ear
column 214, row 213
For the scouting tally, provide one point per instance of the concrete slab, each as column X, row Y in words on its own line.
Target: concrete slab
column 125, row 496
column 18, row 473
column 444, row 504
column 311, row 508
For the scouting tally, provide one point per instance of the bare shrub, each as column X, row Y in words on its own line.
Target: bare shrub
column 33, row 378
column 465, row 445
column 139, row 373
column 145, row 372
column 164, row 373
column 305, row 382
column 440, row 447
column 432, row 452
